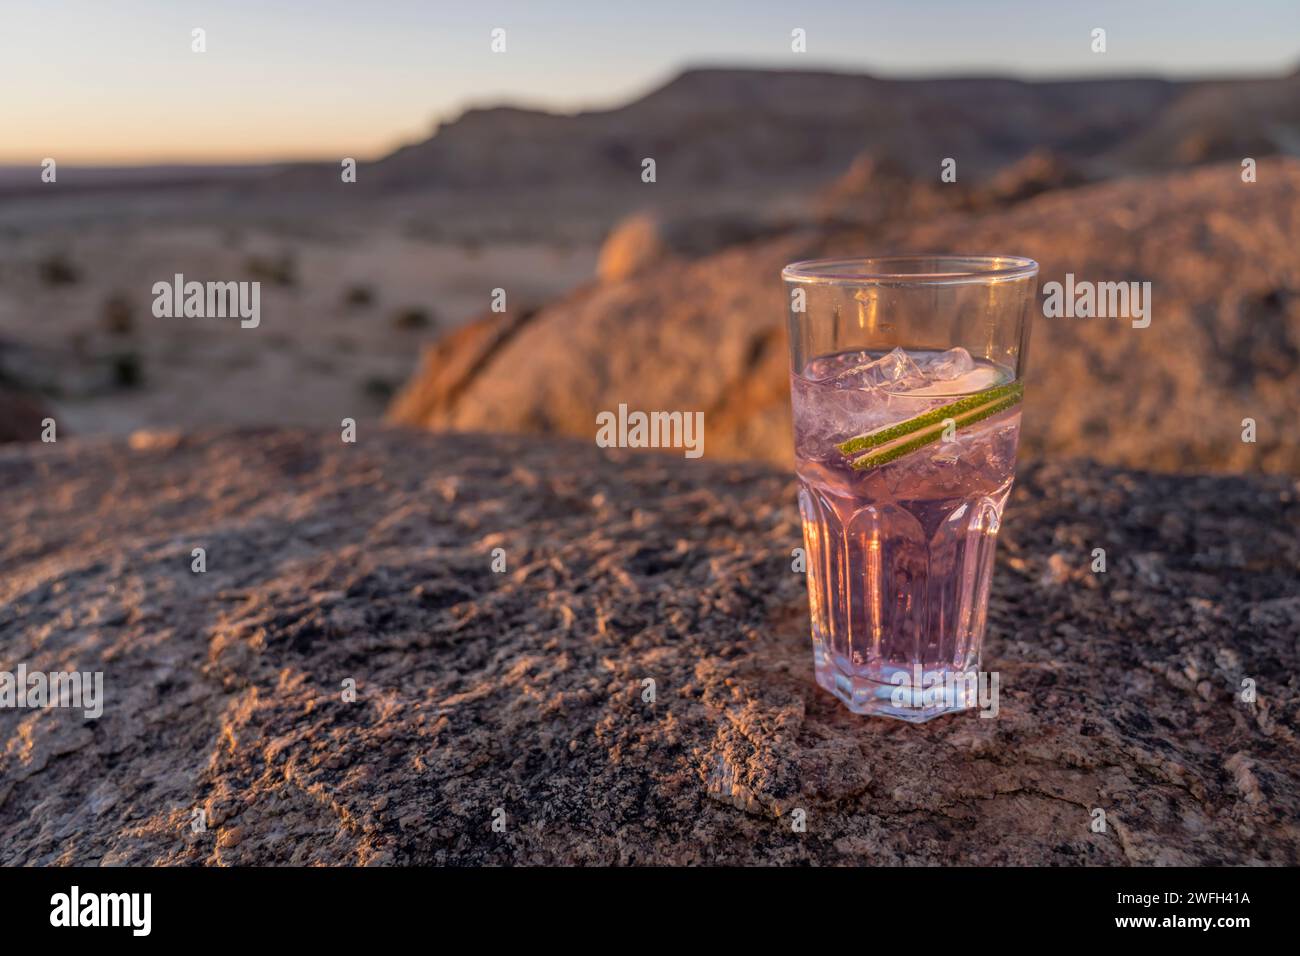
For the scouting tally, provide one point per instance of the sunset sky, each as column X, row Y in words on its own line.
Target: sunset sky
column 90, row 81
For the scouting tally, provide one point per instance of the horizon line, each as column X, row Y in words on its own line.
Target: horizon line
column 180, row 162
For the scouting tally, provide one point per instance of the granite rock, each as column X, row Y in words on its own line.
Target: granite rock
column 227, row 737
column 1222, row 344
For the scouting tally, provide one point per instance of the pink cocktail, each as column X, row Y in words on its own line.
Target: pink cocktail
column 905, row 455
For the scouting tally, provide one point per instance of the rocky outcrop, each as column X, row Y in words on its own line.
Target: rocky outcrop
column 644, row 239
column 228, row 735
column 634, row 243
column 877, row 188
column 1222, row 346
column 876, row 191
column 451, row 364
column 1041, row 171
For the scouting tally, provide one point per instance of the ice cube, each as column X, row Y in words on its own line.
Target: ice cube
column 894, row 371
column 946, row 366
column 824, row 415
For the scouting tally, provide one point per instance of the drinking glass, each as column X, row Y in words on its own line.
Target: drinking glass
column 906, row 384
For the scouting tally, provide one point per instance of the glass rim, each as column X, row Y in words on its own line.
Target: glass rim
column 888, row 270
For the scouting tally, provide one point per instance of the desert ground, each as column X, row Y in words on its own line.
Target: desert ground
column 347, row 302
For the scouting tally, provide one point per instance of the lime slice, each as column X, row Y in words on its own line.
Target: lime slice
column 893, row 441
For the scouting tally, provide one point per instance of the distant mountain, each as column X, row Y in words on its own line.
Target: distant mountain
column 715, row 127
column 1218, row 121
column 712, row 128
column 719, row 132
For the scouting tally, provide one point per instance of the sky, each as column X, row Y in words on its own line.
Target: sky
column 116, row 81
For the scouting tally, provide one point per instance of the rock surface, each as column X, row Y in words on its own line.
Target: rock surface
column 1223, row 343
column 877, row 190
column 524, row 690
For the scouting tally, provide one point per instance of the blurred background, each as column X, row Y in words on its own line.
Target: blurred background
column 502, row 147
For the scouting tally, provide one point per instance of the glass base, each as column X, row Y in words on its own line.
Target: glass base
column 912, row 700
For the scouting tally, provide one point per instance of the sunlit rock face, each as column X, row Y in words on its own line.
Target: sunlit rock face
column 708, row 332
